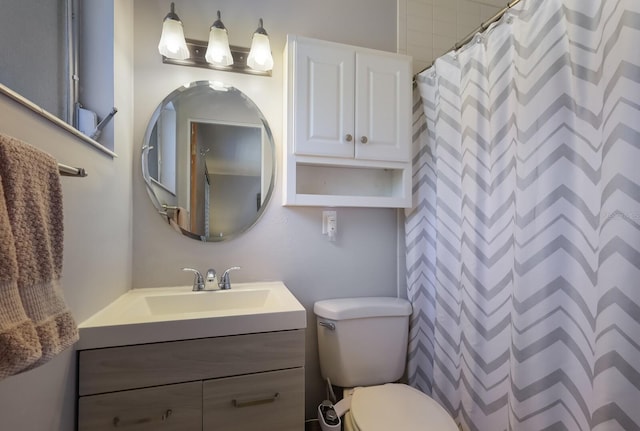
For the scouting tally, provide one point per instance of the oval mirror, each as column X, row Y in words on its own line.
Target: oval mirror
column 208, row 161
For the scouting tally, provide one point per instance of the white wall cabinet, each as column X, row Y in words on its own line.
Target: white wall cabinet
column 348, row 125
column 240, row 382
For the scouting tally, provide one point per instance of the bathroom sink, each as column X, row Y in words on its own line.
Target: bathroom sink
column 202, row 302
column 175, row 302
column 177, row 313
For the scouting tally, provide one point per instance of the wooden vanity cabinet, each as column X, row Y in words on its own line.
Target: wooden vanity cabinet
column 241, row 382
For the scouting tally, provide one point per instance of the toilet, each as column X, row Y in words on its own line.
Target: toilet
column 362, row 345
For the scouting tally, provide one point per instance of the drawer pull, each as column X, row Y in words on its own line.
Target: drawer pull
column 255, row 401
column 117, row 422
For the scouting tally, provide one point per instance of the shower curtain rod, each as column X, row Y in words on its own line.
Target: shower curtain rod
column 485, row 25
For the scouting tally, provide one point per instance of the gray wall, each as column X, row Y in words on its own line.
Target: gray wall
column 97, row 262
column 97, row 251
column 286, row 244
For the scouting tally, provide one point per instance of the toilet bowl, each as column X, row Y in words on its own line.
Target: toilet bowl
column 362, row 344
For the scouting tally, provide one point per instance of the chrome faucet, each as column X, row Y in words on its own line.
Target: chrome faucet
column 198, row 281
column 201, row 283
column 225, row 281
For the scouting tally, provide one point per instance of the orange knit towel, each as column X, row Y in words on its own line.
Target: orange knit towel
column 32, row 196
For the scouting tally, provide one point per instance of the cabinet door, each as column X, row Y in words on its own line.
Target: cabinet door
column 323, row 99
column 383, row 108
column 265, row 401
column 164, row 408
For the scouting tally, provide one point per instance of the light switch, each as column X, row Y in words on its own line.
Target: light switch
column 330, row 224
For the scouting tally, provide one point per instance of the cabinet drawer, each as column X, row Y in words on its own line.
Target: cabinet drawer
column 264, row 401
column 165, row 408
column 145, row 365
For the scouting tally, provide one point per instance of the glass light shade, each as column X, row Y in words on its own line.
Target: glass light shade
column 260, row 54
column 172, row 43
column 218, row 51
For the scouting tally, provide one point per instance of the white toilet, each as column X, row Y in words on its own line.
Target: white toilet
column 362, row 343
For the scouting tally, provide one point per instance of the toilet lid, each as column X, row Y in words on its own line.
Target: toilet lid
column 398, row 407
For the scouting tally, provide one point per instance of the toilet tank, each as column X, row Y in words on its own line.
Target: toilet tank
column 362, row 341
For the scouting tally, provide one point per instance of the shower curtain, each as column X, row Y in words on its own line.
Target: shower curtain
column 523, row 244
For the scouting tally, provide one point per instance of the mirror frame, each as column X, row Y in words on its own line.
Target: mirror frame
column 148, row 180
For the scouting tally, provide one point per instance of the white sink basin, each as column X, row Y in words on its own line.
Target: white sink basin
column 202, row 302
column 177, row 313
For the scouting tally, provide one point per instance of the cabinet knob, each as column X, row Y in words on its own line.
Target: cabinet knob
column 364, row 140
column 349, row 138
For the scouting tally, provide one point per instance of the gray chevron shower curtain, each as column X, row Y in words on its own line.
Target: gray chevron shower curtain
column 523, row 243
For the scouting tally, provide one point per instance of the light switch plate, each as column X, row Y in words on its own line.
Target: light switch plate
column 326, row 215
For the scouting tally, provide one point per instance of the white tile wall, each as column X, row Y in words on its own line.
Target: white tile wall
column 429, row 28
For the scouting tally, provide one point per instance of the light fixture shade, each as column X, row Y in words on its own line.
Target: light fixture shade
column 172, row 43
column 260, row 54
column 218, row 51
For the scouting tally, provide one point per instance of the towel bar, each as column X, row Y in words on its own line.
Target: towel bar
column 69, row 171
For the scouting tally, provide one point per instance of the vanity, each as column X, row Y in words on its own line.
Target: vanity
column 143, row 365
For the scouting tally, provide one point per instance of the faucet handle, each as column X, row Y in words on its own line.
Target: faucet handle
column 225, row 280
column 198, row 281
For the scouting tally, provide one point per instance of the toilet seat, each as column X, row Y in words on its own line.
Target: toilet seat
column 397, row 407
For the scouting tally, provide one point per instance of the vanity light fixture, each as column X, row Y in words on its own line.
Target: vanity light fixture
column 217, row 53
column 172, row 43
column 260, row 54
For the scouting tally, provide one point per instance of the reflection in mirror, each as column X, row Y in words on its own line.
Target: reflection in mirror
column 208, row 161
